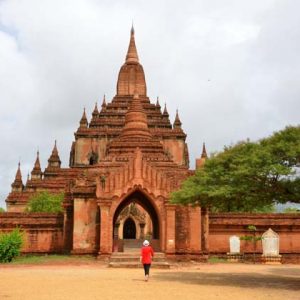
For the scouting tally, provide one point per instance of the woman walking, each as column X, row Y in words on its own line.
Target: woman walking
column 147, row 254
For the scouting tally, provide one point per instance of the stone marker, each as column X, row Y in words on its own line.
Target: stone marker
column 270, row 245
column 234, row 243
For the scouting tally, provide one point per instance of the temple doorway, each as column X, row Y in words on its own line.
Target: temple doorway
column 129, row 229
column 135, row 220
column 133, row 223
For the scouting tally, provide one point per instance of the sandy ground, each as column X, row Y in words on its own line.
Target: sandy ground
column 205, row 281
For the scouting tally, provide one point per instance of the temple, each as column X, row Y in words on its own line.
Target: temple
column 124, row 163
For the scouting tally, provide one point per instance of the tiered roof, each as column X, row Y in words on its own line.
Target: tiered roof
column 111, row 118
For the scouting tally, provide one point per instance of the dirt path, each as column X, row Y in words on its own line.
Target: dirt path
column 209, row 282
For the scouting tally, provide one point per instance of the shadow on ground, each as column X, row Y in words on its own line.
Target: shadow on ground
column 286, row 271
column 243, row 280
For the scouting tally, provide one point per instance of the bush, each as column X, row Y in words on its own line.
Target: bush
column 45, row 202
column 2, row 210
column 10, row 245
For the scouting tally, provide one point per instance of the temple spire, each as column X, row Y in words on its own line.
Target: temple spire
column 83, row 121
column 204, row 153
column 54, row 160
column 37, row 164
column 157, row 103
column 103, row 102
column 132, row 56
column 131, row 75
column 201, row 161
column 17, row 185
column 177, row 122
column 95, row 111
column 18, row 174
column 165, row 113
column 54, row 163
column 36, row 172
column 95, row 115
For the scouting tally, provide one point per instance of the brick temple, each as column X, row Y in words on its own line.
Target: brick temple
column 124, row 163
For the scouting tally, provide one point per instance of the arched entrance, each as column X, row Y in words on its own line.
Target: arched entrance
column 129, row 229
column 131, row 226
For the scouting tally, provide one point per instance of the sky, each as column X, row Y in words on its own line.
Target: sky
column 231, row 67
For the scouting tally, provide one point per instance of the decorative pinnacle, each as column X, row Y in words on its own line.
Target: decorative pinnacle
column 37, row 165
column 18, row 177
column 204, row 153
column 55, row 147
column 165, row 113
column 54, row 159
column 157, row 102
column 95, row 112
column 132, row 56
column 104, row 101
column 17, row 185
column 83, row 121
column 177, row 122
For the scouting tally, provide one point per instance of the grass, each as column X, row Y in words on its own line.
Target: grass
column 48, row 259
column 216, row 260
column 51, row 259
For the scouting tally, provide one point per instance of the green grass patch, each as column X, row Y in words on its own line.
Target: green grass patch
column 217, row 260
column 51, row 259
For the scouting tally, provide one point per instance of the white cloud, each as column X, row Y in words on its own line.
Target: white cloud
column 231, row 69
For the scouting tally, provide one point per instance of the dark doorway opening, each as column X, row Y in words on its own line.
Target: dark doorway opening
column 129, row 229
column 139, row 198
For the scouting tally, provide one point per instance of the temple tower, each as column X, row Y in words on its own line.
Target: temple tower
column 93, row 139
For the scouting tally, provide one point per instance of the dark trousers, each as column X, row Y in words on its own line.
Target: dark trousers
column 147, row 268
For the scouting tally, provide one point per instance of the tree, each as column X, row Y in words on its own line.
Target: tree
column 45, row 202
column 247, row 176
column 2, row 209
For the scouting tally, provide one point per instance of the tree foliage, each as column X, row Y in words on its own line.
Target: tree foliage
column 2, row 209
column 10, row 245
column 45, row 202
column 247, row 176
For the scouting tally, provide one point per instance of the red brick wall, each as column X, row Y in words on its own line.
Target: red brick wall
column 182, row 229
column 43, row 232
column 222, row 226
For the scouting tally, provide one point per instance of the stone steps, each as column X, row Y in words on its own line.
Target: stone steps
column 155, row 265
column 134, row 257
column 136, row 254
column 132, row 260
